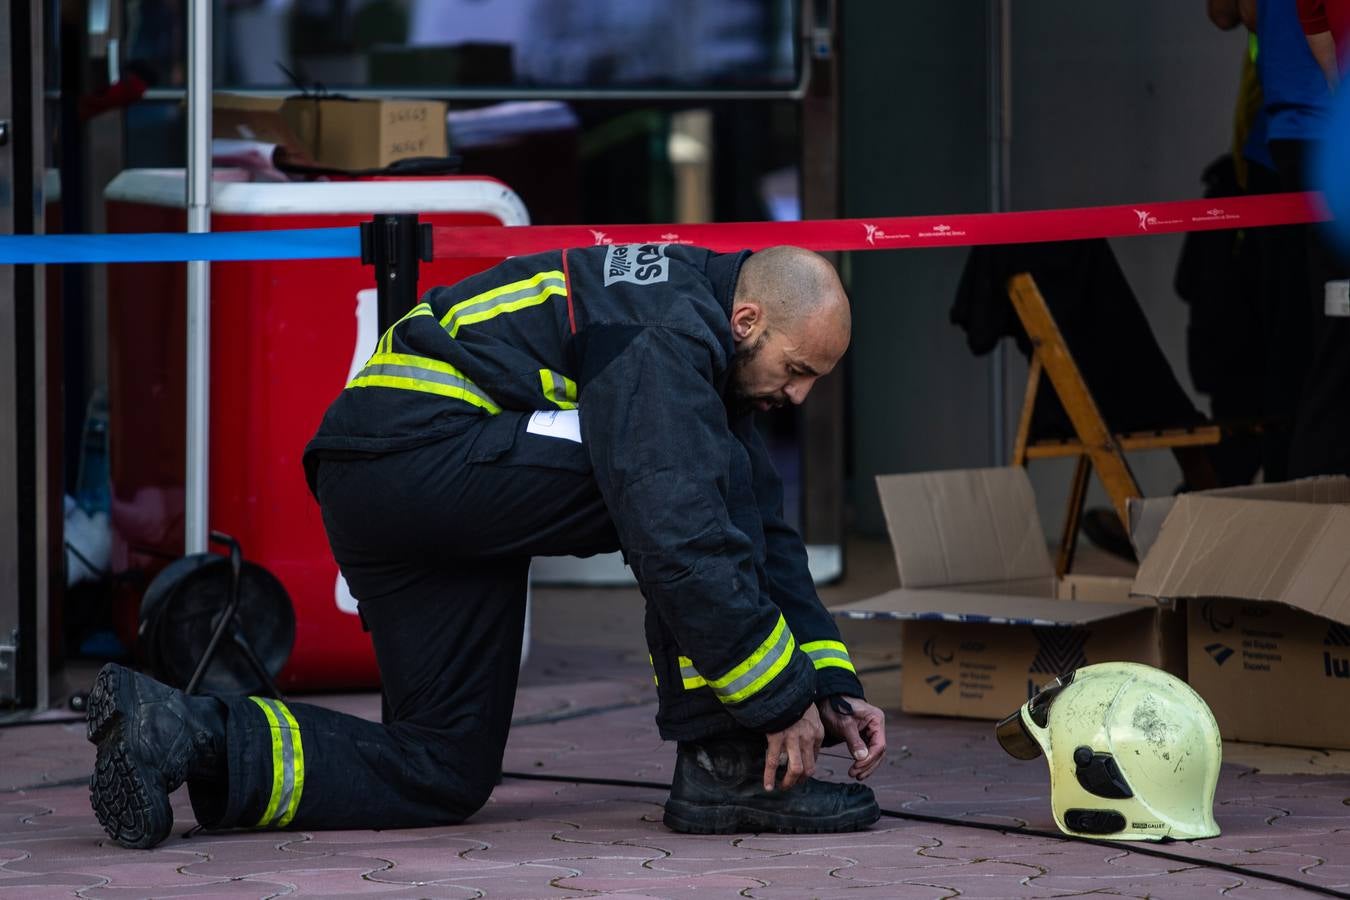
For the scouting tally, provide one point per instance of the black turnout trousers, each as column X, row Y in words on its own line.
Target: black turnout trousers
column 435, row 543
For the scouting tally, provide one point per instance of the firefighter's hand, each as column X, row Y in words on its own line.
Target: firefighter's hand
column 800, row 741
column 861, row 726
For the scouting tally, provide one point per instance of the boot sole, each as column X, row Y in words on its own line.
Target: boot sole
column 128, row 797
column 692, row 818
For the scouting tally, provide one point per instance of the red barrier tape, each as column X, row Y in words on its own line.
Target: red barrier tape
column 901, row 233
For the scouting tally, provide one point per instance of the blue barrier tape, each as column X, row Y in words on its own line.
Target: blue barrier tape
column 1331, row 174
column 216, row 246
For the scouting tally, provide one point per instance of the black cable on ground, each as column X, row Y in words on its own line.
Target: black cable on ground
column 1126, row 847
column 1131, row 847
column 28, row 721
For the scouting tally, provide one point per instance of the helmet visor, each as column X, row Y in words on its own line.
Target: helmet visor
column 1013, row 737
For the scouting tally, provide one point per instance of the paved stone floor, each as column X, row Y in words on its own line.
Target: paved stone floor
column 585, row 708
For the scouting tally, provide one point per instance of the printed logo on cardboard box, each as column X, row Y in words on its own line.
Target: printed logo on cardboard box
column 938, row 683
column 1059, row 650
column 1338, row 635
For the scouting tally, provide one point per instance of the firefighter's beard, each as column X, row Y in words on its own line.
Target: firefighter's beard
column 742, row 400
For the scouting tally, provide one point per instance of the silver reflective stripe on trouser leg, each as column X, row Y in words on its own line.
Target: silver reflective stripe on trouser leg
column 288, row 764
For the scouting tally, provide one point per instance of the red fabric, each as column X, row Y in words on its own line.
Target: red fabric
column 1318, row 16
column 119, row 94
column 1338, row 20
column 1312, row 15
column 900, row 233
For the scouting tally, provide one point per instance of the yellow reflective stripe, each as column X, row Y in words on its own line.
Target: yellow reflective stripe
column 297, row 766
column 558, row 389
column 825, row 654
column 754, row 687
column 419, row 373
column 759, row 668
column 418, row 362
column 278, row 768
column 386, row 344
column 692, row 680
column 426, row 387
column 532, row 281
column 550, row 290
column 510, row 297
column 288, row 764
column 656, row 681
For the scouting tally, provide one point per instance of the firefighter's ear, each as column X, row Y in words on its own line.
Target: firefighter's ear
column 745, row 319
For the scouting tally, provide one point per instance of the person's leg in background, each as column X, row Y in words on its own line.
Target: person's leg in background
column 1321, row 439
column 1287, row 319
column 1319, row 357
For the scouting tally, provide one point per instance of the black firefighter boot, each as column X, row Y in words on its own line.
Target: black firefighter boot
column 719, row 789
column 150, row 738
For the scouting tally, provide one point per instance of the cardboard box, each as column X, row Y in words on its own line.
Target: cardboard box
column 1266, row 574
column 985, row 621
column 334, row 133
column 262, row 119
column 356, row 135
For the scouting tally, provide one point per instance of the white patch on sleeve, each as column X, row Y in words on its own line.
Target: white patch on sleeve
column 636, row 264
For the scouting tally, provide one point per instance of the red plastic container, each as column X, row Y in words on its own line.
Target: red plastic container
column 285, row 338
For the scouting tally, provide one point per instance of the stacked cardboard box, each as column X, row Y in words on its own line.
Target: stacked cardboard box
column 1243, row 591
column 986, row 621
column 1265, row 572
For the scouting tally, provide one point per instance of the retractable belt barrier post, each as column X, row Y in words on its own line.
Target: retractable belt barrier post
column 394, row 244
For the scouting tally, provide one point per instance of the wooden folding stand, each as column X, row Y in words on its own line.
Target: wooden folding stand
column 1096, row 447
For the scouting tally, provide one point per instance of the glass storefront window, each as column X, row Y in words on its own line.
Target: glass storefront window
column 743, row 45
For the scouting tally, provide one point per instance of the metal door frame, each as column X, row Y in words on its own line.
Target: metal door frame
column 26, row 467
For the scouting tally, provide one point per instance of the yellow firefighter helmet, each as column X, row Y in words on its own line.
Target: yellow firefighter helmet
column 1133, row 752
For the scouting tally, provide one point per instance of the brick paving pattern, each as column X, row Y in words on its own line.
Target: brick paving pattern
column 585, row 709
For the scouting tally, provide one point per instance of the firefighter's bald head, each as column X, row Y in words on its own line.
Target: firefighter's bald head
column 791, row 323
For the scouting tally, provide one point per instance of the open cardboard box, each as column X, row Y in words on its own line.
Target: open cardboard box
column 985, row 620
column 1265, row 571
column 335, row 132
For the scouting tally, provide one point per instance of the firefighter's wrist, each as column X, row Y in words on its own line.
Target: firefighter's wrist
column 789, row 717
column 828, row 685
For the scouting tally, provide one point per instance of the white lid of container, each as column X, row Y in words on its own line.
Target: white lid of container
column 233, row 194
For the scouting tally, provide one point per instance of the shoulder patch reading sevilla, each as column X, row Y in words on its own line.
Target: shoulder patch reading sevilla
column 636, row 263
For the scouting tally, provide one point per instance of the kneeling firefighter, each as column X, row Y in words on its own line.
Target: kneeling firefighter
column 1134, row 752
column 565, row 403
